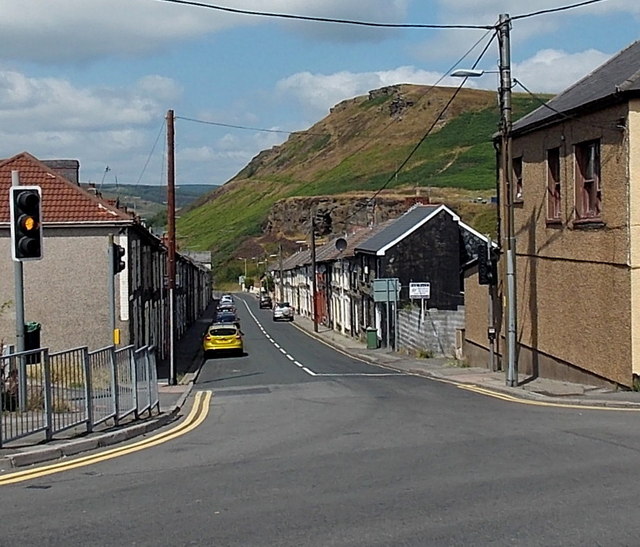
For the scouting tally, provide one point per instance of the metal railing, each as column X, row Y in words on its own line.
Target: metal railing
column 77, row 388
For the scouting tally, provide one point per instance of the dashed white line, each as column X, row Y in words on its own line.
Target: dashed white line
column 306, row 369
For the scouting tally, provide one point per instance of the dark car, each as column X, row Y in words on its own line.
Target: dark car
column 265, row 301
column 227, row 316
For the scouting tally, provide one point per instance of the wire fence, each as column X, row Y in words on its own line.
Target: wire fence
column 77, row 388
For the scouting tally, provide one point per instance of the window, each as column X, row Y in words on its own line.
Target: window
column 588, row 188
column 554, row 202
column 517, row 179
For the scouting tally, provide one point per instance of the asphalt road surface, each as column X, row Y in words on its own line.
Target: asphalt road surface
column 305, row 446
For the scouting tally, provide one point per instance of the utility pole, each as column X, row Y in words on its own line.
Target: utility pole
column 504, row 26
column 171, row 240
column 313, row 275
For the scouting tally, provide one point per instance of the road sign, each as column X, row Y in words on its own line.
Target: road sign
column 386, row 289
column 419, row 290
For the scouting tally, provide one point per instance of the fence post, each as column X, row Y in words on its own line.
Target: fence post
column 147, row 361
column 88, row 389
column 115, row 388
column 134, row 378
column 48, row 396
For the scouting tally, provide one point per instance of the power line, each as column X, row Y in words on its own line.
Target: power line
column 555, row 10
column 322, row 19
column 428, row 132
column 151, row 153
column 308, row 133
column 560, row 113
column 248, row 128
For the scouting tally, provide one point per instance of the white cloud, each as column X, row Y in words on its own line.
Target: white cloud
column 54, row 104
column 87, row 30
column 319, row 92
column 52, row 118
column 552, row 71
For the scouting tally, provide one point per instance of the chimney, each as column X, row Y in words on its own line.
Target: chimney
column 69, row 169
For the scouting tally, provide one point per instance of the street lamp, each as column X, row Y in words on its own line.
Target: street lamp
column 470, row 73
column 506, row 161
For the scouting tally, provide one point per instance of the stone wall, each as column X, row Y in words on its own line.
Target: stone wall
column 435, row 333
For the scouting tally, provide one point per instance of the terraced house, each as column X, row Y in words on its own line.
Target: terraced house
column 576, row 173
column 66, row 292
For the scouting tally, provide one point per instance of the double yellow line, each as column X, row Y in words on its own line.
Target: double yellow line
column 197, row 415
column 531, row 402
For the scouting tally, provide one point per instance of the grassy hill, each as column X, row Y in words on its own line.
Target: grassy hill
column 151, row 201
column 358, row 147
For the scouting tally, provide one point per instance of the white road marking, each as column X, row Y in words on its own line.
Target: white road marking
column 308, row 370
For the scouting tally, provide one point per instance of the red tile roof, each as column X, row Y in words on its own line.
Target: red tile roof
column 62, row 200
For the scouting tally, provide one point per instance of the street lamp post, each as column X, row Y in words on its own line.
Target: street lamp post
column 506, row 161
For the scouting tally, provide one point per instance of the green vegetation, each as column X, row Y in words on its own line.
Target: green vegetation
column 358, row 148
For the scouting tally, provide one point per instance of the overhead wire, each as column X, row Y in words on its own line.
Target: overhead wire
column 151, row 153
column 564, row 115
column 376, row 25
column 556, row 10
column 322, row 19
column 426, row 134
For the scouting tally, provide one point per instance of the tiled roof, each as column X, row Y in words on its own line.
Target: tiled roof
column 616, row 78
column 62, row 200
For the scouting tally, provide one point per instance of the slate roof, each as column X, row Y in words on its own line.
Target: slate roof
column 398, row 229
column 413, row 219
column 62, row 200
column 612, row 82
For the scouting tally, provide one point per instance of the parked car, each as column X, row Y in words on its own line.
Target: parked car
column 265, row 301
column 222, row 338
column 227, row 316
column 282, row 311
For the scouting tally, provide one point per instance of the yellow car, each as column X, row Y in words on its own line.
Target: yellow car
column 222, row 338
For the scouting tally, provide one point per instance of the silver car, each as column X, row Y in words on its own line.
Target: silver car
column 282, row 311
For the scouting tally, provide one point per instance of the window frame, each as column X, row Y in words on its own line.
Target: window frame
column 588, row 182
column 554, row 186
column 517, row 165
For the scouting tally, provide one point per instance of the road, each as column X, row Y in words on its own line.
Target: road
column 305, row 446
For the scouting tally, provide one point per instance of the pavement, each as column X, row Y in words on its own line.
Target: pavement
column 188, row 360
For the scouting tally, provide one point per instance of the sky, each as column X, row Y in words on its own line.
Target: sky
column 93, row 80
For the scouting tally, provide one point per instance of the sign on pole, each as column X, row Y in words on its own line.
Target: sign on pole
column 386, row 289
column 420, row 290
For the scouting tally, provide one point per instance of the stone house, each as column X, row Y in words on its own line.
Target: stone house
column 67, row 290
column 428, row 243
column 576, row 173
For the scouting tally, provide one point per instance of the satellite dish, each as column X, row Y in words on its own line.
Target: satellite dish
column 341, row 244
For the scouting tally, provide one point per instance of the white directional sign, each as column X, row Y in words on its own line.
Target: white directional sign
column 419, row 290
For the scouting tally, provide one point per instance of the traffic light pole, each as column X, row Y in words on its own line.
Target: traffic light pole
column 18, row 286
column 18, row 281
column 111, row 288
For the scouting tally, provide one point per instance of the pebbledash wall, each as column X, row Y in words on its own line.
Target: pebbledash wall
column 433, row 333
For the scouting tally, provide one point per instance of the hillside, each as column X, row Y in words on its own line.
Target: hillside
column 150, row 201
column 357, row 148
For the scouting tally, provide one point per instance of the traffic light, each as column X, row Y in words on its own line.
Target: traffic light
column 487, row 270
column 25, row 206
column 118, row 258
